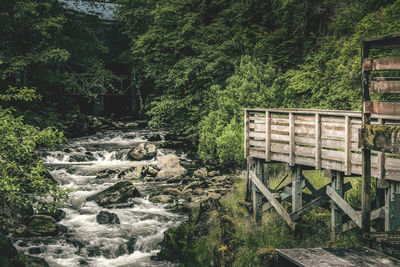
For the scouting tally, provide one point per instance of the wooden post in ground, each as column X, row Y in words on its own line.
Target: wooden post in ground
column 392, row 207
column 366, row 153
column 336, row 213
column 257, row 196
column 297, row 194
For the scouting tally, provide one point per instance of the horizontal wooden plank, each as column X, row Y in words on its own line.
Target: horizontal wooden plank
column 385, row 86
column 387, row 108
column 280, row 137
column 381, row 64
column 257, row 127
column 257, row 143
column 257, row 135
column 280, row 157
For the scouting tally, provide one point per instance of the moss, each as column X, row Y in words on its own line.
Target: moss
column 22, row 260
column 380, row 137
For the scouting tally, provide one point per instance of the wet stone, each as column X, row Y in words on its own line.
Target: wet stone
column 105, row 217
column 121, row 192
column 35, row 250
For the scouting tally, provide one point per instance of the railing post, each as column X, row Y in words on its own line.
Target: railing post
column 267, row 136
column 347, row 145
column 317, row 141
column 246, row 133
column 292, row 145
column 336, row 213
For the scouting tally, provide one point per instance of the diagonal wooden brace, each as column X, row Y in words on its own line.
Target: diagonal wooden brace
column 275, row 203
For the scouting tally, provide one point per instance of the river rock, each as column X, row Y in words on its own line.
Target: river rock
column 213, row 173
column 105, row 174
column 162, row 199
column 12, row 215
column 142, row 151
column 35, row 250
column 121, row 192
column 105, row 217
column 42, row 225
column 31, row 261
column 202, row 172
column 170, row 167
column 154, row 138
column 6, row 247
column 57, row 214
column 172, row 191
column 131, row 244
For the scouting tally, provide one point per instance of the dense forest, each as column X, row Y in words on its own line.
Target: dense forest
column 194, row 65
column 200, row 62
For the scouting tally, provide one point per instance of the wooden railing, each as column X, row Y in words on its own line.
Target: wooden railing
column 324, row 139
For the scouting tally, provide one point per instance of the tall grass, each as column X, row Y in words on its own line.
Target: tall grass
column 253, row 242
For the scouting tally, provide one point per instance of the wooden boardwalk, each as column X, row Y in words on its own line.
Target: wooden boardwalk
column 344, row 143
column 334, row 257
column 323, row 139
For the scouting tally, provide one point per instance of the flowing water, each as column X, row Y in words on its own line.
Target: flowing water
column 133, row 242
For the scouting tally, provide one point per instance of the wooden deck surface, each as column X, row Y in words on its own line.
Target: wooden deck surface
column 336, row 257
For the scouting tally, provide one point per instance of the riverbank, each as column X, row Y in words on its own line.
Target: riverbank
column 223, row 233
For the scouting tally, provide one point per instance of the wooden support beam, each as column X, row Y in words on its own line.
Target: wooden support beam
column 375, row 214
column 257, row 196
column 317, row 202
column 392, row 207
column 292, row 146
column 318, row 141
column 381, row 64
column 278, row 207
column 267, row 136
column 297, row 189
column 343, row 205
column 336, row 213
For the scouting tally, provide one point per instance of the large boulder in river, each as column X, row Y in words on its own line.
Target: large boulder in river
column 42, row 225
column 105, row 217
column 170, row 167
column 142, row 151
column 121, row 192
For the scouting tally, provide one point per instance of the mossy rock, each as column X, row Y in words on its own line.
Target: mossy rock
column 6, row 247
column 42, row 225
column 22, row 260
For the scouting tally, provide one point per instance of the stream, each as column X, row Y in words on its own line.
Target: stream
column 133, row 242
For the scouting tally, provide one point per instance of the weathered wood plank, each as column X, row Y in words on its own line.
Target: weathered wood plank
column 278, row 207
column 375, row 214
column 382, row 64
column 291, row 140
column 246, row 133
column 385, row 86
column 336, row 213
column 387, row 108
column 260, row 135
column 344, row 206
column 297, row 199
column 268, row 136
column 347, row 154
column 318, row 141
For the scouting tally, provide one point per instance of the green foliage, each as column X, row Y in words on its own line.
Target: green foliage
column 197, row 64
column 24, row 179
